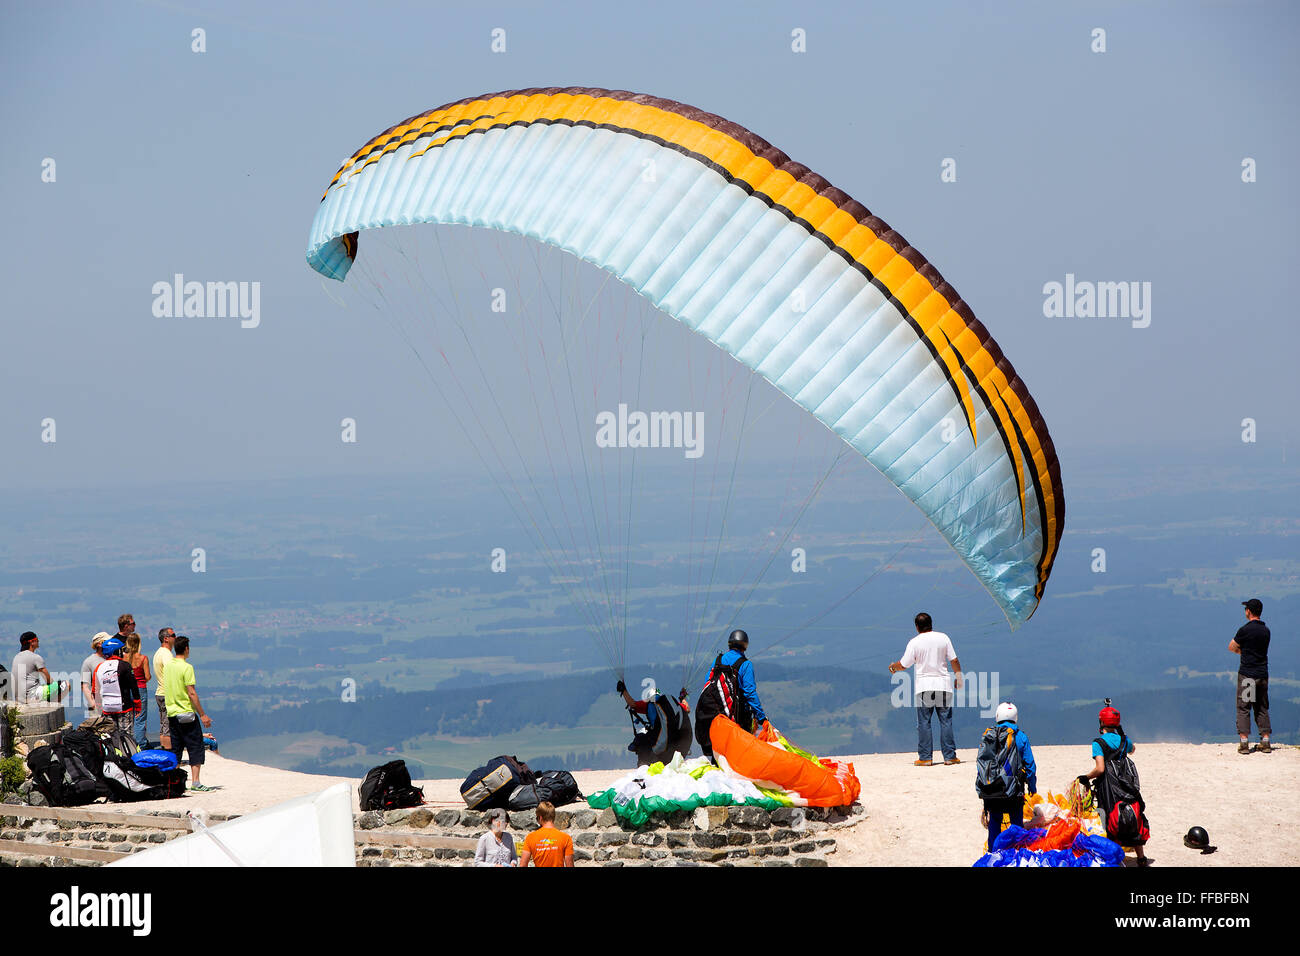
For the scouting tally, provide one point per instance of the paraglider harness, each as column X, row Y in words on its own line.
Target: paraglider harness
column 722, row 694
column 999, row 765
column 1118, row 794
column 670, row 734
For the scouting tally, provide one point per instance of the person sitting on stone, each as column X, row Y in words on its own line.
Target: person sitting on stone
column 32, row 683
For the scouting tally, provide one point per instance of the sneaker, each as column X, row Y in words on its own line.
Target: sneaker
column 201, row 788
column 1243, row 748
column 923, row 763
column 1264, row 748
column 949, row 763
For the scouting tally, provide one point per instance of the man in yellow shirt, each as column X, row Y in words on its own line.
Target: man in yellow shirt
column 166, row 637
column 184, row 712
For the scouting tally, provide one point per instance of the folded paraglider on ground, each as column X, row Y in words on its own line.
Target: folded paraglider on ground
column 782, row 776
column 1059, row 830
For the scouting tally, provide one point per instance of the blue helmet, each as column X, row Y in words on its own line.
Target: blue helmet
column 111, row 647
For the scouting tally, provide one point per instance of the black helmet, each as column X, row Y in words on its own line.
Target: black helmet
column 1198, row 839
column 738, row 639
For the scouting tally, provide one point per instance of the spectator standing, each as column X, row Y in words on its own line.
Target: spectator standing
column 140, row 668
column 115, row 688
column 184, row 712
column 160, row 658
column 1251, row 642
column 31, row 678
column 932, row 686
column 88, row 674
column 496, row 847
column 547, row 846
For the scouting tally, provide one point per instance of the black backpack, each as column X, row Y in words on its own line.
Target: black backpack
column 62, row 777
column 492, row 784
column 1119, row 795
column 999, row 765
column 671, row 734
column 118, row 745
column 556, row 786
column 126, row 782
column 723, row 695
column 87, row 745
column 388, row 787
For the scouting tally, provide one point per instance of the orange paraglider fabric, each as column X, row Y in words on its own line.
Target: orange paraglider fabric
column 1058, row 836
column 819, row 782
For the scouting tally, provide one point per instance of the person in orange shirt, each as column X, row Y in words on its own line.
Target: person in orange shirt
column 547, row 846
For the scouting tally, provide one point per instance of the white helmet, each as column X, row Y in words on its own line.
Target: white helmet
column 1006, row 711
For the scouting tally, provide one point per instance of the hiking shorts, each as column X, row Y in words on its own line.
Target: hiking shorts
column 1252, row 696
column 162, row 715
column 188, row 736
column 123, row 721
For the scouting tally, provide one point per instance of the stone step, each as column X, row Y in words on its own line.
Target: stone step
column 39, row 719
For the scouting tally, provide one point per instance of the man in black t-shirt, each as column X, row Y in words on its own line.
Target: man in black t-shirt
column 1251, row 643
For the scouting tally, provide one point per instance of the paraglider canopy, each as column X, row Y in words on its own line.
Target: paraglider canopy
column 770, row 262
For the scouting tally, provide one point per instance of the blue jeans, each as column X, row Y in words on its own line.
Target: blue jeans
column 940, row 703
column 141, row 728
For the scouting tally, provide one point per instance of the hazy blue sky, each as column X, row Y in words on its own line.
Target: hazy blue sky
column 1115, row 166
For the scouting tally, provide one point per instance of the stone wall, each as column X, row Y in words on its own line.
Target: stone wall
column 709, row 836
column 40, row 722
column 91, row 836
column 718, row 836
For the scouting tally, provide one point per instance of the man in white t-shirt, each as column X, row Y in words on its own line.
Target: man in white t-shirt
column 929, row 653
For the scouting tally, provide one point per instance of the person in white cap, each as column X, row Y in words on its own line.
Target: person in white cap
column 1003, row 769
column 88, row 672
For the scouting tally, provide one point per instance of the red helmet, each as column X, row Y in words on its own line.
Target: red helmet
column 1109, row 717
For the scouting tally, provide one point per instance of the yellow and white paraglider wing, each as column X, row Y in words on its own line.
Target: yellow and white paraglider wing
column 785, row 272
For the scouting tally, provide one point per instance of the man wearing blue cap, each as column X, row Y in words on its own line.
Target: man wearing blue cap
column 1251, row 643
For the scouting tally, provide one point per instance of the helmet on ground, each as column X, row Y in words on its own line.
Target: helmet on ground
column 738, row 639
column 1108, row 717
column 111, row 647
column 1006, row 711
column 1198, row 839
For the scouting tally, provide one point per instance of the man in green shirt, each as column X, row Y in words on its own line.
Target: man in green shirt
column 184, row 712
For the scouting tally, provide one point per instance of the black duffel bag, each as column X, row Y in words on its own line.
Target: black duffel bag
column 491, row 785
column 554, row 786
column 128, row 783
